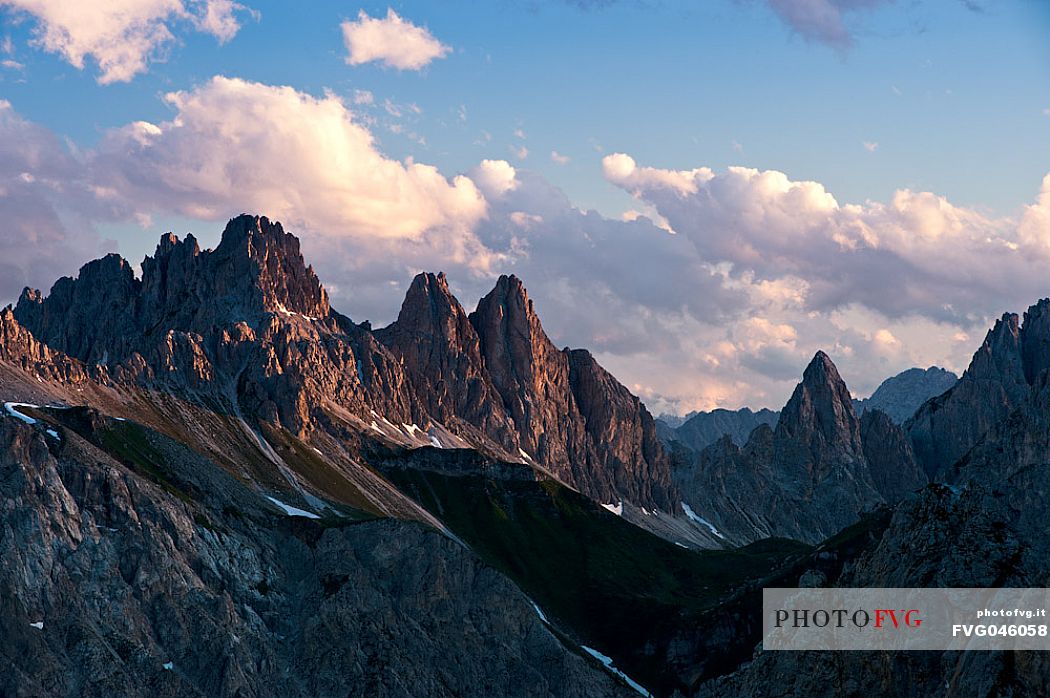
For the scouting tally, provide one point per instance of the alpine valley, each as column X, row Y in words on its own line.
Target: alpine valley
column 212, row 483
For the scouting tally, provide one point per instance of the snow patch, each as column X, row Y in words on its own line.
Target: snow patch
column 608, row 663
column 10, row 407
column 293, row 511
column 701, row 520
column 375, row 427
column 615, row 508
column 39, row 625
column 284, row 311
column 434, row 442
column 539, row 612
column 169, row 666
column 53, row 434
column 411, row 429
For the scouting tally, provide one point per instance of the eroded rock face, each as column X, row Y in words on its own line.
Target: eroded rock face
column 530, row 374
column 20, row 348
column 624, row 456
column 141, row 593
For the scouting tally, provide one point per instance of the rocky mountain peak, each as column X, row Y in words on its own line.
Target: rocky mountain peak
column 257, row 251
column 509, row 303
column 429, row 301
column 820, row 408
column 524, row 365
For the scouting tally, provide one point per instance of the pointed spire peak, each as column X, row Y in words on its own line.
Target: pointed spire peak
column 511, row 284
column 821, row 404
column 1008, row 324
column 428, row 300
column 821, row 369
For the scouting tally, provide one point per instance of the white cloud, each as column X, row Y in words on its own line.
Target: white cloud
column 520, row 152
column 1034, row 231
column 122, row 36
column 235, row 146
column 518, row 133
column 495, row 177
column 621, row 169
column 559, row 159
column 871, row 146
column 942, row 261
column 392, row 41
column 219, row 18
column 364, row 97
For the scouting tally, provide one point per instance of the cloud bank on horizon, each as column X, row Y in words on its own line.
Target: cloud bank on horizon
column 713, row 290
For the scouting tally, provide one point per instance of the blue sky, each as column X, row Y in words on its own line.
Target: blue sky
column 939, row 96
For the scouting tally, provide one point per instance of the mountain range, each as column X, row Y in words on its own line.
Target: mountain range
column 898, row 397
column 216, row 484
